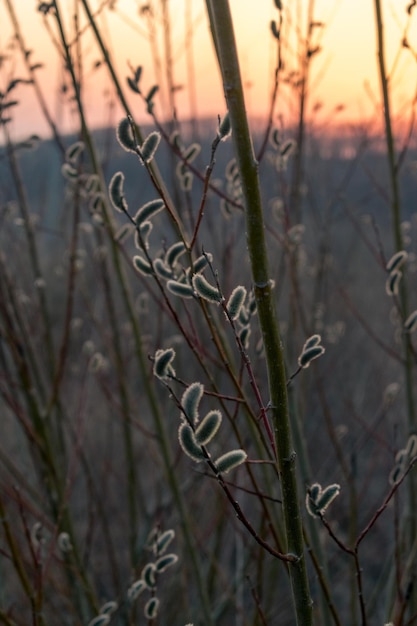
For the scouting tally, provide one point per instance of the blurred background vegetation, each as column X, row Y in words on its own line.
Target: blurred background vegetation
column 90, row 462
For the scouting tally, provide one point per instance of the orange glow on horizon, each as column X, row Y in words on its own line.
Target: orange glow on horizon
column 343, row 76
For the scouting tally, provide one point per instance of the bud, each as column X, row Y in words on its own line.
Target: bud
column 134, row 82
column 125, row 136
column 150, row 146
column 190, row 401
column 395, row 475
column 186, row 181
column 205, row 290
column 318, row 499
column 69, row 172
column 208, row 428
column 162, row 367
column 148, row 210
column 108, row 608
column 410, row 323
column 244, row 336
column 162, row 270
column 230, row 460
column 192, row 152
column 37, row 535
column 244, row 317
column 64, row 543
column 92, row 184
column 232, row 170
column 189, row 444
column 144, row 230
column 411, row 448
column 165, row 561
column 116, row 192
column 164, row 540
column 314, row 340
column 73, row 152
column 174, row 252
column 288, row 148
column 235, row 302
column 142, row 265
column 390, row 394
column 151, row 608
column 393, row 283
column 274, row 29
column 225, row 130
column 135, row 589
column 183, row 290
column 276, row 138
column 96, row 205
column 201, row 262
column 327, row 496
column 309, row 355
column 397, row 261
column 149, row 98
column 148, row 575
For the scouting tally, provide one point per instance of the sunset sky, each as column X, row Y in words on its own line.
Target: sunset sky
column 339, row 72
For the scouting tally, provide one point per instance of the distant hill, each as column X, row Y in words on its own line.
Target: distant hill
column 334, row 175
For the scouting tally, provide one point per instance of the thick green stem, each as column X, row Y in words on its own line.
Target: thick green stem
column 223, row 35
